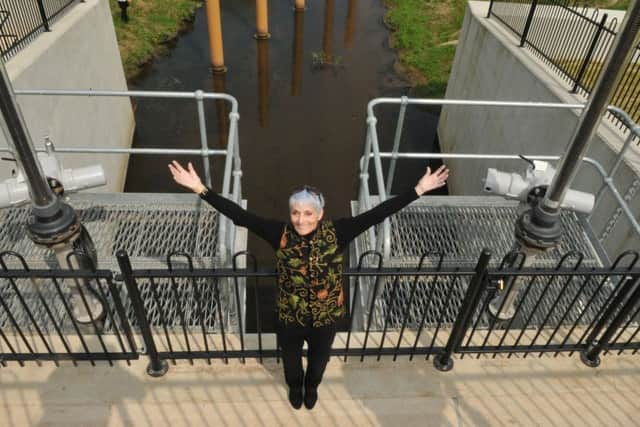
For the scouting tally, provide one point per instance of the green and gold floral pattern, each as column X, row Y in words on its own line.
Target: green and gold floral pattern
column 309, row 277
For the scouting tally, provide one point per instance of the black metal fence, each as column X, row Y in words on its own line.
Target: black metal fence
column 433, row 310
column 22, row 21
column 574, row 41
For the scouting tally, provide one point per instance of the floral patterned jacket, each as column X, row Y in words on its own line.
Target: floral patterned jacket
column 309, row 277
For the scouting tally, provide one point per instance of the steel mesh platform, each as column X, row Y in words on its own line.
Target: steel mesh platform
column 148, row 227
column 460, row 227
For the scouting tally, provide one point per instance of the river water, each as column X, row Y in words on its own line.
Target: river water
column 302, row 97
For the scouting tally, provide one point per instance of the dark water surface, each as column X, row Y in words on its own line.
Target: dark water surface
column 302, row 98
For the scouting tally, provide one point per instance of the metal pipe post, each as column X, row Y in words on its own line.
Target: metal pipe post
column 396, row 143
column 622, row 49
column 527, row 24
column 327, row 33
column 591, row 356
column 263, row 83
column 216, row 47
column 443, row 361
column 351, row 23
column 262, row 20
column 204, row 143
column 53, row 222
column 298, row 47
column 43, row 15
column 157, row 367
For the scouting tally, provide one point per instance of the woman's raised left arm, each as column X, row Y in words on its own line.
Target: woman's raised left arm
column 349, row 228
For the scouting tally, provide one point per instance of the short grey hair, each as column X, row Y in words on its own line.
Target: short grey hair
column 309, row 195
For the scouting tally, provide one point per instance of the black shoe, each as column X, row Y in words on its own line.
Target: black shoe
column 310, row 397
column 295, row 397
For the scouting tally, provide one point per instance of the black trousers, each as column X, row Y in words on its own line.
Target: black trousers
column 319, row 341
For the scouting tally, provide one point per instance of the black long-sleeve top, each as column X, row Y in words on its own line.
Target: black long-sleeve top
column 347, row 229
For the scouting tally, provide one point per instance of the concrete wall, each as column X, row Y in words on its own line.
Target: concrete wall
column 80, row 52
column 488, row 65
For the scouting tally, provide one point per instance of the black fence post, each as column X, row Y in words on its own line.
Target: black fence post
column 43, row 15
column 157, row 367
column 587, row 58
column 490, row 7
column 443, row 361
column 591, row 355
column 527, row 25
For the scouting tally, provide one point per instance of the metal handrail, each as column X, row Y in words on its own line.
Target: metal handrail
column 372, row 151
column 231, row 182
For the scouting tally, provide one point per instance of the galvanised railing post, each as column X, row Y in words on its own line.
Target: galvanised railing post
column 43, row 15
column 587, row 58
column 490, row 7
column 157, row 367
column 527, row 25
column 443, row 361
column 591, row 355
column 204, row 144
column 396, row 142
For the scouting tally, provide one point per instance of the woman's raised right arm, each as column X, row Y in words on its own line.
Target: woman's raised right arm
column 269, row 230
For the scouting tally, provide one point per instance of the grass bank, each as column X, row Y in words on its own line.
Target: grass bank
column 425, row 33
column 152, row 24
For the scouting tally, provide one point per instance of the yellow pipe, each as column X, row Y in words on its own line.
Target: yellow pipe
column 299, row 5
column 262, row 20
column 215, row 36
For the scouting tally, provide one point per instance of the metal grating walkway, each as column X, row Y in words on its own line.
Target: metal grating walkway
column 461, row 227
column 148, row 227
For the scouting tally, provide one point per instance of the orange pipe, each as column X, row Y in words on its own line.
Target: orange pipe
column 262, row 20
column 351, row 23
column 216, row 48
column 299, row 5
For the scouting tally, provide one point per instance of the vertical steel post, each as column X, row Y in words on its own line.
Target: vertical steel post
column 443, row 361
column 591, row 356
column 490, row 8
column 587, row 58
column 610, row 76
column 43, row 15
column 327, row 33
column 262, row 20
column 216, row 47
column 298, row 47
column 52, row 222
column 527, row 25
column 156, row 367
column 263, row 83
column 204, row 143
column 396, row 143
column 351, row 23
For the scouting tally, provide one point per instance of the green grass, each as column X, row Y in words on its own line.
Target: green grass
column 152, row 23
column 606, row 4
column 425, row 32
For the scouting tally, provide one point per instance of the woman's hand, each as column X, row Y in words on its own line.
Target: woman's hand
column 431, row 181
column 186, row 177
